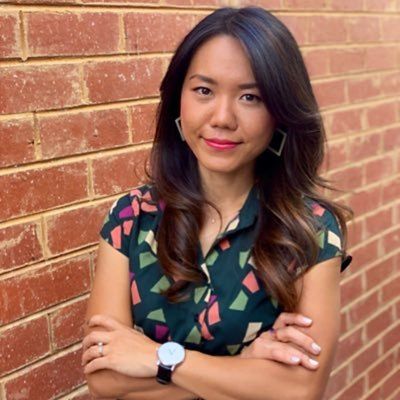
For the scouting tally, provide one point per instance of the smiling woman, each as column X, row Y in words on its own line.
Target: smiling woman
column 247, row 308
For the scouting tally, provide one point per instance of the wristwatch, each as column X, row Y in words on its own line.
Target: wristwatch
column 170, row 354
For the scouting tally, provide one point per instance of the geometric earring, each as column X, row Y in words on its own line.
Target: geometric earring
column 277, row 142
column 178, row 125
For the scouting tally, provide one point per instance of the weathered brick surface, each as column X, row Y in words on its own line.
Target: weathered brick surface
column 79, row 89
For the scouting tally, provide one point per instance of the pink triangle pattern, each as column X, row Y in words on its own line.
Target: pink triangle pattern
column 317, row 209
column 213, row 314
column 161, row 331
column 127, row 225
column 116, row 237
column 224, row 244
column 251, row 282
column 135, row 207
column 135, row 293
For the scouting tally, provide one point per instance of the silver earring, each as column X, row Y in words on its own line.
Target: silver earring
column 277, row 146
column 178, row 125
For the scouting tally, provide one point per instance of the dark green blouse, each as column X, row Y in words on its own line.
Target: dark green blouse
column 232, row 308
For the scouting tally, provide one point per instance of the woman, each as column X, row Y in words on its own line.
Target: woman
column 247, row 154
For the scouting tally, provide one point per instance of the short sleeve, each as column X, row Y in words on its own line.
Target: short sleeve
column 118, row 224
column 329, row 237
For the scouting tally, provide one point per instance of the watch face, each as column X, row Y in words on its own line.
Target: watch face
column 171, row 353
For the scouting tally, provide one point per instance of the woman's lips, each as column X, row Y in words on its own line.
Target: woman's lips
column 221, row 145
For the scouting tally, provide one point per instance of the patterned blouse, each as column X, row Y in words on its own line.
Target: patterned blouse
column 228, row 311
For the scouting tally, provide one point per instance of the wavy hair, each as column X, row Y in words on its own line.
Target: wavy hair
column 287, row 241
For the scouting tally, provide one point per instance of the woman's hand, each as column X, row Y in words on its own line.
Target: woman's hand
column 285, row 343
column 125, row 350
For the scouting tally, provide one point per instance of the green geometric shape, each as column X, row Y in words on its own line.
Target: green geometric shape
column 233, row 348
column 212, row 257
column 194, row 336
column 142, row 235
column 321, row 239
column 240, row 302
column 198, row 293
column 162, row 284
column 146, row 259
column 243, row 255
column 274, row 302
column 156, row 315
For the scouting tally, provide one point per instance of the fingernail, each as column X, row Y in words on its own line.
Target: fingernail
column 316, row 347
column 307, row 320
column 313, row 362
column 294, row 359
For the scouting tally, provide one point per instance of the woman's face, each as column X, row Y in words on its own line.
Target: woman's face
column 224, row 121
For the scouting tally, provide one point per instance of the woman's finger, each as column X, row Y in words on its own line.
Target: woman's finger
column 93, row 352
column 297, row 337
column 95, row 337
column 285, row 318
column 96, row 364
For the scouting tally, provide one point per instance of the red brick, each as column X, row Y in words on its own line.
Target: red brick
column 391, row 339
column 391, row 139
column 391, row 385
column 364, row 146
column 366, row 200
column 111, row 80
column 347, row 179
column 67, row 324
column 298, row 26
column 391, row 241
column 305, row 4
column 17, row 141
column 381, row 370
column 350, row 290
column 391, row 190
column 336, row 382
column 143, row 121
column 56, row 34
column 355, row 230
column 43, row 287
column 143, row 33
column 34, row 88
column 346, row 60
column 83, row 132
column 363, row 29
column 363, row 308
column 327, row 29
column 379, row 323
column 9, row 40
column 317, row 62
column 19, row 245
column 345, row 5
column 378, row 169
column 379, row 5
column 379, row 272
column 392, row 289
column 336, row 155
column 346, row 121
column 391, row 84
column 390, row 28
column 16, row 344
column 348, row 346
column 380, row 57
column 75, row 229
column 378, row 222
column 364, row 88
column 381, row 115
column 42, row 189
column 365, row 359
column 354, row 391
column 49, row 380
column 115, row 174
column 116, row 1
column 330, row 93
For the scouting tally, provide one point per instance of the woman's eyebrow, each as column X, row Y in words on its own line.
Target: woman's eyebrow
column 211, row 81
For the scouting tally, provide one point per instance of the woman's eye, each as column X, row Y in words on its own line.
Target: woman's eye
column 252, row 98
column 202, row 90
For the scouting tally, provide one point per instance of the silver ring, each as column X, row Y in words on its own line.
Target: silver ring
column 100, row 346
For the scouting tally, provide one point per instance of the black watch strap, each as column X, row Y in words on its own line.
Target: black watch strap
column 164, row 374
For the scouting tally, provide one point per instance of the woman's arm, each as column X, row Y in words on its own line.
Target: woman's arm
column 110, row 295
column 223, row 378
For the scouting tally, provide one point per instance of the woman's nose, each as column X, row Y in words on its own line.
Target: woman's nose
column 223, row 114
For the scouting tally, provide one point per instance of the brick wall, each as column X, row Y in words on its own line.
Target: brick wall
column 78, row 88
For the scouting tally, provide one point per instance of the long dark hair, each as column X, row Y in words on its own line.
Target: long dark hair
column 288, row 240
